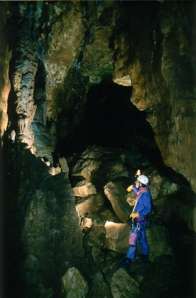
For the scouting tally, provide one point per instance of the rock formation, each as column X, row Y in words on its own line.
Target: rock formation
column 5, row 56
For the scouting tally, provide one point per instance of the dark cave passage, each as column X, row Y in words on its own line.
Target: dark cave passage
column 111, row 120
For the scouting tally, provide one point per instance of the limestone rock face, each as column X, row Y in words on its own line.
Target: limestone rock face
column 74, row 284
column 64, row 43
column 163, row 87
column 178, row 73
column 23, row 81
column 179, row 152
column 97, row 61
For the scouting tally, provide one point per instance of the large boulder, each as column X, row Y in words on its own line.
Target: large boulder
column 74, row 284
column 123, row 285
column 117, row 235
column 90, row 205
column 99, row 287
column 117, row 196
column 85, row 189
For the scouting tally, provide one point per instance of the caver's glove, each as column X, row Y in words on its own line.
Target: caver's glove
column 131, row 201
column 138, row 173
column 129, row 189
column 134, row 215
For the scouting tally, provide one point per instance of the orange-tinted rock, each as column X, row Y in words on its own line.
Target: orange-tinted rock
column 5, row 56
column 84, row 190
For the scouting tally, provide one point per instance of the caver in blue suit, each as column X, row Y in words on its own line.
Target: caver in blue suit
column 142, row 207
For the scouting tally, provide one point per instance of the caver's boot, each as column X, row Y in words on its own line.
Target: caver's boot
column 125, row 263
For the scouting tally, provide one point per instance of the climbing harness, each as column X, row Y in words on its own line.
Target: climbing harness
column 135, row 227
column 133, row 234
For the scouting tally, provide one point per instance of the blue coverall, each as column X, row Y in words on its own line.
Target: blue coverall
column 143, row 207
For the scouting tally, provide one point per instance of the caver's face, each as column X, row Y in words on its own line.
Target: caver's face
column 137, row 184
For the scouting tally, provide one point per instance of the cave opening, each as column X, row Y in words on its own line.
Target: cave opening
column 111, row 120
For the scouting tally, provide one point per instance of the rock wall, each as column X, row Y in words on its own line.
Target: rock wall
column 5, row 56
column 160, row 63
column 42, row 237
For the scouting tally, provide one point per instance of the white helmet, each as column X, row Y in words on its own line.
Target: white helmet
column 143, row 179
